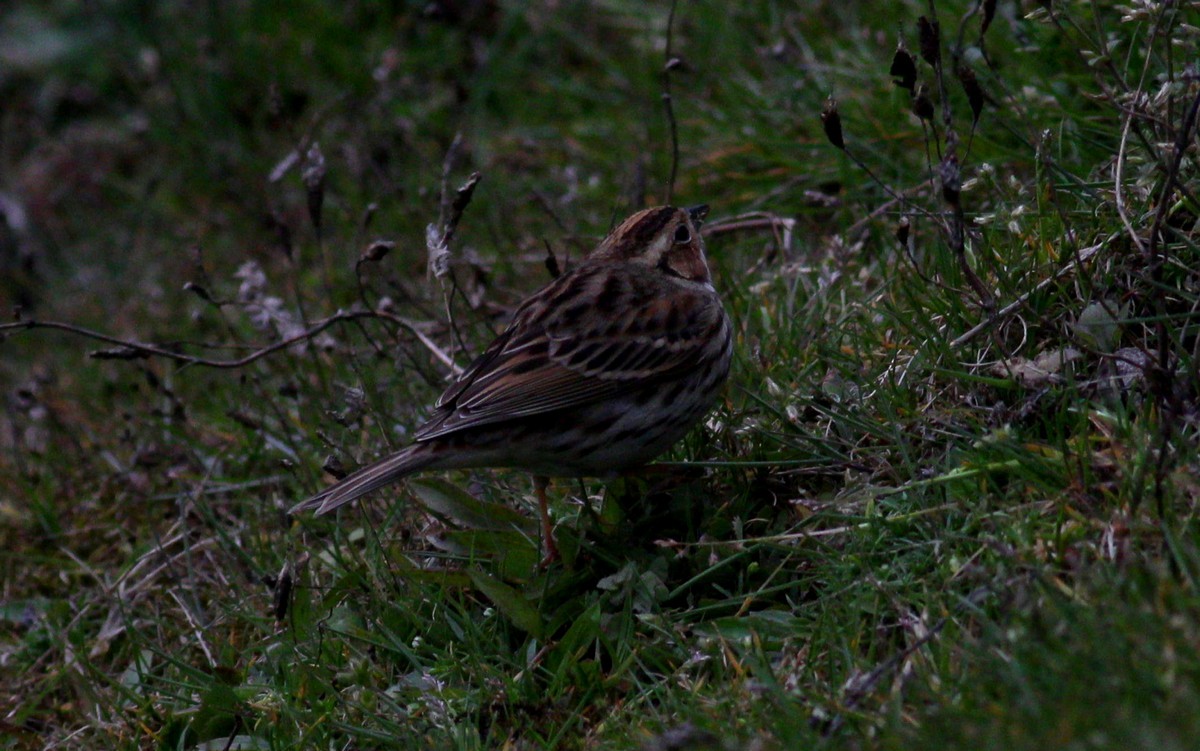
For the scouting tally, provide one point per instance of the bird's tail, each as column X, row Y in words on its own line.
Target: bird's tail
column 371, row 477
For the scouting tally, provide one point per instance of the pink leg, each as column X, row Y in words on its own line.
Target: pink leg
column 539, row 488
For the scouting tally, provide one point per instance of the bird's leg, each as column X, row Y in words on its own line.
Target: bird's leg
column 539, row 488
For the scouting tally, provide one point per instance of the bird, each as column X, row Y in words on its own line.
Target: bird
column 598, row 372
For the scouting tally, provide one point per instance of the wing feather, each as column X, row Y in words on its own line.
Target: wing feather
column 558, row 356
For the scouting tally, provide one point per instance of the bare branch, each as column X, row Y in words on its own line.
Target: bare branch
column 131, row 349
column 670, row 63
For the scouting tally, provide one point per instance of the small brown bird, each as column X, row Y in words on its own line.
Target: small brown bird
column 599, row 371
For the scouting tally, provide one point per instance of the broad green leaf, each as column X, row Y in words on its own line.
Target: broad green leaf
column 409, row 570
column 514, row 554
column 584, row 630
column 459, row 506
column 510, row 602
column 768, row 625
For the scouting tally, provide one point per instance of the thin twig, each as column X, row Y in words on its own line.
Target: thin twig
column 752, row 221
column 438, row 236
column 938, row 70
column 886, row 206
column 858, row 690
column 197, row 631
column 1157, row 259
column 1013, row 306
column 670, row 62
column 130, row 349
column 1118, row 182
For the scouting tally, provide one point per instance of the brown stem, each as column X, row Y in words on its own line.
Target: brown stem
column 134, row 349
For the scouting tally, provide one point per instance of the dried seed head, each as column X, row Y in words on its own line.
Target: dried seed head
column 989, row 12
column 902, row 231
column 199, row 291
column 831, row 121
column 437, row 250
column 313, row 174
column 950, row 146
column 377, row 251
column 335, row 467
column 552, row 263
column 931, row 43
column 974, row 92
column 462, row 196
column 922, row 105
column 904, row 68
column 282, row 594
column 951, row 178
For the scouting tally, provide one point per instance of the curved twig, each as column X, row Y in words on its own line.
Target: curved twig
column 130, row 349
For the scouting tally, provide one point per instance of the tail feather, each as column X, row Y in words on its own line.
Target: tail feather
column 367, row 479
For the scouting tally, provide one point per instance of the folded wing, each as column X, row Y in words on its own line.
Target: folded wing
column 562, row 355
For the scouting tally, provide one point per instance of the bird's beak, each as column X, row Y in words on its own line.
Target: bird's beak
column 697, row 213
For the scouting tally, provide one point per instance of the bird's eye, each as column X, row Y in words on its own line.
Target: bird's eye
column 682, row 234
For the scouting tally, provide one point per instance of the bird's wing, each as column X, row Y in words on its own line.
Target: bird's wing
column 583, row 339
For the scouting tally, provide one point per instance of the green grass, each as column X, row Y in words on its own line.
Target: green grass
column 898, row 532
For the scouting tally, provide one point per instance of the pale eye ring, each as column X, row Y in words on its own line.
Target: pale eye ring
column 682, row 234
